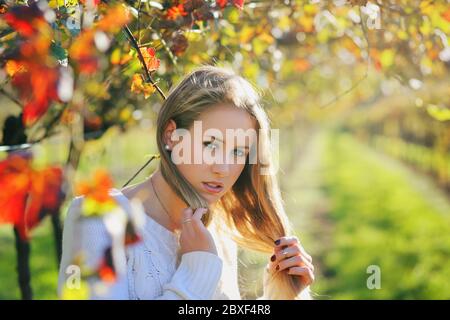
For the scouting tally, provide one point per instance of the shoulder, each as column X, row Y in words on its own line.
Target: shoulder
column 132, row 191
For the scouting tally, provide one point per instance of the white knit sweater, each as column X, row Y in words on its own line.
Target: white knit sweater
column 151, row 269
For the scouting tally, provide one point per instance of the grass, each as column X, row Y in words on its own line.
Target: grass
column 380, row 217
column 43, row 264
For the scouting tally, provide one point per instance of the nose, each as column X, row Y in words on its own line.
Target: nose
column 221, row 169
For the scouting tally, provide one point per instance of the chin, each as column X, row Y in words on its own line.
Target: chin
column 211, row 198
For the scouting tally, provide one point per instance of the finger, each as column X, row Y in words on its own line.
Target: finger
column 187, row 213
column 300, row 249
column 277, row 257
column 186, row 224
column 286, row 241
column 196, row 218
column 198, row 214
column 306, row 274
column 285, row 253
column 296, row 261
column 282, row 263
column 292, row 241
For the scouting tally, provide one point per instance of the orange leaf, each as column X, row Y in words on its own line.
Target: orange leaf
column 446, row 15
column 115, row 18
column 12, row 67
column 138, row 86
column 150, row 59
column 98, row 189
column 176, row 12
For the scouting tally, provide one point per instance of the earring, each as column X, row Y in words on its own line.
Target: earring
column 167, row 147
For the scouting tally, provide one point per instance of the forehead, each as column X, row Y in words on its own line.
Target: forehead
column 224, row 116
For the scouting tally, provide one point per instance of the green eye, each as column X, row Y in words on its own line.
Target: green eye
column 239, row 152
column 210, row 144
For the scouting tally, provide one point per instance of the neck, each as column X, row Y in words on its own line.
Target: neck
column 168, row 203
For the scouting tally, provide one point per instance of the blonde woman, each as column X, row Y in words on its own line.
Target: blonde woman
column 198, row 212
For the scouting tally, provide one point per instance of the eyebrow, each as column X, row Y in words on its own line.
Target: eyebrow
column 214, row 138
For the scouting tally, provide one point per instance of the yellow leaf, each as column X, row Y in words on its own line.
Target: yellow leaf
column 425, row 28
column 284, row 23
column 402, row 35
column 194, row 35
column 307, row 24
column 92, row 208
column 310, row 9
column 56, row 4
column 148, row 90
column 259, row 47
column 138, row 86
column 387, row 58
column 246, row 34
column 440, row 114
column 265, row 37
column 125, row 114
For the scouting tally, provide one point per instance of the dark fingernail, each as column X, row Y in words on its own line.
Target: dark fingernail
column 272, row 258
column 278, row 267
column 277, row 242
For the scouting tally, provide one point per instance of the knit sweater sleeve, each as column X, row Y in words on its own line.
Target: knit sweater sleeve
column 196, row 277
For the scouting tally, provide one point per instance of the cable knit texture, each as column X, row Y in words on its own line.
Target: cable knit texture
column 152, row 268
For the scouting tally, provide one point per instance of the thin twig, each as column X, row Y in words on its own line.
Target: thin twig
column 139, row 171
column 161, row 38
column 10, row 97
column 366, row 73
column 141, row 58
column 135, row 44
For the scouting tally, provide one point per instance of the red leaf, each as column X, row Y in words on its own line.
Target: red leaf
column 14, row 183
column 239, row 4
column 222, row 3
column 27, row 194
column 38, row 87
column 106, row 270
column 24, row 19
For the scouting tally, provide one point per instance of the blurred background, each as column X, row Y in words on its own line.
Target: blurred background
column 359, row 90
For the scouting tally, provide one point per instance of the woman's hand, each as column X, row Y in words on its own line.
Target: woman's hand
column 289, row 255
column 194, row 235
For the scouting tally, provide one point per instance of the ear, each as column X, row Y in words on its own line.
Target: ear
column 168, row 131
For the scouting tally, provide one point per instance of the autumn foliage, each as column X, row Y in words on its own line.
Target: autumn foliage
column 28, row 194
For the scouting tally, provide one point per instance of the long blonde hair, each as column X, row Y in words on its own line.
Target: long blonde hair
column 253, row 208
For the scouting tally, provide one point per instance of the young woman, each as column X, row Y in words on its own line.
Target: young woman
column 197, row 212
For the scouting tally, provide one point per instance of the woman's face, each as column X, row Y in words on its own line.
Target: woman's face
column 220, row 140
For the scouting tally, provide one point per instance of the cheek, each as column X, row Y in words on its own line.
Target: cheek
column 236, row 170
column 192, row 172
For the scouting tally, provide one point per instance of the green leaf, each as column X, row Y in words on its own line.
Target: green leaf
column 58, row 52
